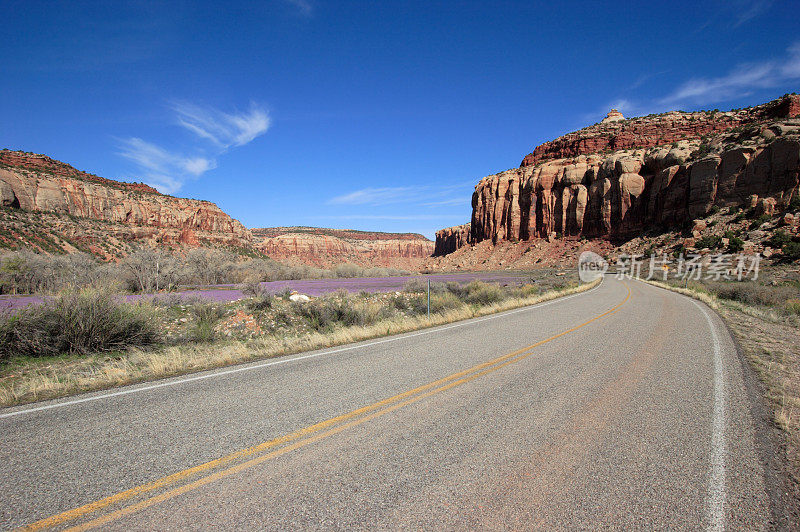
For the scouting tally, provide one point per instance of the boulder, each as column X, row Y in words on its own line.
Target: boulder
column 765, row 206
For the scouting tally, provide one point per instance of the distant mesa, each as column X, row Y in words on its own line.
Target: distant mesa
column 323, row 247
column 622, row 178
column 613, row 116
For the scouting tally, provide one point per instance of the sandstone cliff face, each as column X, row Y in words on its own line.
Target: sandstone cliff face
column 39, row 184
column 327, row 247
column 655, row 130
column 573, row 187
column 450, row 239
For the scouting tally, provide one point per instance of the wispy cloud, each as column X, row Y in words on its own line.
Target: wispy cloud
column 226, row 130
column 304, row 7
column 751, row 9
column 163, row 169
column 394, row 217
column 374, row 196
column 168, row 170
column 429, row 196
column 740, row 81
column 447, row 203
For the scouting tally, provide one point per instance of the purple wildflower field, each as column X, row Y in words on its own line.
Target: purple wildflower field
column 311, row 287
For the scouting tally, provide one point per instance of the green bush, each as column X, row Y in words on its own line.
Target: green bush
column 779, row 239
column 735, row 244
column 709, row 242
column 207, row 316
column 791, row 251
column 761, row 220
column 78, row 322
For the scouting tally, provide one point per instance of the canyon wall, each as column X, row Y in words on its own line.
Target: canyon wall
column 327, row 247
column 662, row 172
column 134, row 211
column 451, row 238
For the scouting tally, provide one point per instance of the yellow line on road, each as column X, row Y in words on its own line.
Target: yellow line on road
column 387, row 404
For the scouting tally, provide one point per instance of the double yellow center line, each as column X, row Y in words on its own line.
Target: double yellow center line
column 295, row 440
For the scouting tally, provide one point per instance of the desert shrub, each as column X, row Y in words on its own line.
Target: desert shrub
column 347, row 270
column 791, row 251
column 207, row 316
column 735, row 244
column 172, row 299
column 526, row 290
column 753, row 293
column 264, row 301
column 480, row 293
column 792, row 306
column 709, row 242
column 761, row 220
column 444, row 301
column 779, row 239
column 457, row 289
column 251, row 288
column 340, row 309
column 794, row 203
column 77, row 322
column 415, row 285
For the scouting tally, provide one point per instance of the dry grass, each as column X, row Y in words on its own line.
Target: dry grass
column 34, row 380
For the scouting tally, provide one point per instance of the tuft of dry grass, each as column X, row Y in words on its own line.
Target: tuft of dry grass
column 35, row 380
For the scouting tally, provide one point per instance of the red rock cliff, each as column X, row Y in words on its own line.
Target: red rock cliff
column 663, row 171
column 40, row 184
column 327, row 247
column 656, row 130
column 451, row 238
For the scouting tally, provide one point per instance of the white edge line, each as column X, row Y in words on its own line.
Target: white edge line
column 716, row 488
column 250, row 367
column 715, row 504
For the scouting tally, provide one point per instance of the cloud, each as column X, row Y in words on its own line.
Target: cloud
column 428, row 196
column 168, row 170
column 304, row 7
column 374, row 196
column 161, row 168
column 740, row 81
column 447, row 202
column 751, row 11
column 223, row 129
column 404, row 217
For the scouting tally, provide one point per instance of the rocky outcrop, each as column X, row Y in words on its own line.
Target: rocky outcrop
column 613, row 116
column 616, row 195
column 451, row 238
column 655, row 130
column 36, row 183
column 327, row 247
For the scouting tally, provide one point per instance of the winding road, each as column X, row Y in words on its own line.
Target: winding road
column 621, row 407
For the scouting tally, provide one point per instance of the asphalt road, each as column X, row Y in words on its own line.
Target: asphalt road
column 622, row 407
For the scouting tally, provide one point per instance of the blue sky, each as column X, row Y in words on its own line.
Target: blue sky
column 372, row 115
